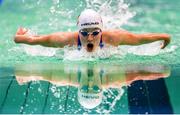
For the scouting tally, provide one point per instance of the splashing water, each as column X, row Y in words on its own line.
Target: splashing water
column 114, row 13
column 106, row 101
column 76, row 55
column 39, row 50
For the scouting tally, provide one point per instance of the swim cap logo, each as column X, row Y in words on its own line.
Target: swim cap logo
column 92, row 23
column 90, row 97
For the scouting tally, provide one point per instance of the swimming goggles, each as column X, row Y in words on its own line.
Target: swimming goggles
column 85, row 33
column 86, row 89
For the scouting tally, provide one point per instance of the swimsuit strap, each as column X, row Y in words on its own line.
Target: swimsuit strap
column 101, row 74
column 79, row 75
column 101, row 44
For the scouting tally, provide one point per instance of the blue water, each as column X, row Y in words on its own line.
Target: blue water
column 54, row 88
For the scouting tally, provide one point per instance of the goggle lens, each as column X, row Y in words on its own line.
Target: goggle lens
column 85, row 34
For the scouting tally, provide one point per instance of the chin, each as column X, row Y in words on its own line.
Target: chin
column 89, row 50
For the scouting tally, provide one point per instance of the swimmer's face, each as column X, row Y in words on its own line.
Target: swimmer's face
column 90, row 38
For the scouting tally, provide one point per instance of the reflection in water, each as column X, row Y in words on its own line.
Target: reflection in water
column 97, row 84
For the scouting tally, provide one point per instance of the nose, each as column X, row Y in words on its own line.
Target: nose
column 90, row 38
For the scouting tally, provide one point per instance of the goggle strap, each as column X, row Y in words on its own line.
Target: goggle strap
column 79, row 43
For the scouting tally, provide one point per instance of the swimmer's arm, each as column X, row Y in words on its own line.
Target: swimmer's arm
column 132, row 76
column 122, row 37
column 59, row 39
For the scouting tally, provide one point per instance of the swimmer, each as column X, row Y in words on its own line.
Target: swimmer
column 90, row 35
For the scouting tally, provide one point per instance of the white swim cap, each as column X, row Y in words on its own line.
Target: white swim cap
column 89, row 19
column 89, row 100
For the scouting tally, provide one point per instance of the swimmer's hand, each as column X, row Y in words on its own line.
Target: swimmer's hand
column 166, row 39
column 24, row 35
column 21, row 31
column 21, row 35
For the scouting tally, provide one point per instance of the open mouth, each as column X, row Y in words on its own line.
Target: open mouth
column 90, row 47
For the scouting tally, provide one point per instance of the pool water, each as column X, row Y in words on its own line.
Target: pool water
column 57, row 88
column 47, row 17
column 142, row 79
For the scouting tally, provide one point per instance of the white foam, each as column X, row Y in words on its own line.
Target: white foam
column 76, row 55
column 149, row 49
column 170, row 49
column 38, row 50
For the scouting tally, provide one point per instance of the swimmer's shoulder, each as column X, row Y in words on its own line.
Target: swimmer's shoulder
column 110, row 35
column 75, row 37
column 108, row 32
column 71, row 37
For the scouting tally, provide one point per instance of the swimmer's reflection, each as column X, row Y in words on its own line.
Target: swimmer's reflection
column 90, row 79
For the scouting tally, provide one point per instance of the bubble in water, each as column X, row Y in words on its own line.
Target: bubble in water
column 40, row 90
column 57, row 94
column 52, row 9
column 53, row 88
column 56, row 1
